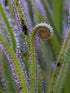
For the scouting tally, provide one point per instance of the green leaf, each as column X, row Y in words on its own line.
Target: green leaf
column 7, row 74
column 62, row 73
column 58, row 14
column 8, row 27
column 66, row 88
column 18, row 69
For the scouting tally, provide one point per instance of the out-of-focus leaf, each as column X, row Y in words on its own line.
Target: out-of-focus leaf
column 58, row 15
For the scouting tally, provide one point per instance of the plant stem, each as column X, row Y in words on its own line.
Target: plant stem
column 62, row 73
column 22, row 17
column 48, row 62
column 8, row 27
column 16, row 63
column 35, row 11
column 61, row 54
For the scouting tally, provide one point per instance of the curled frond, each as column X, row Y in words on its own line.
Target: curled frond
column 44, row 31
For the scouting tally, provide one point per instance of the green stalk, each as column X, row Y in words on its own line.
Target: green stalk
column 58, row 14
column 39, row 82
column 66, row 88
column 22, row 17
column 32, row 67
column 8, row 27
column 18, row 69
column 54, row 46
column 10, row 84
column 33, row 63
column 62, row 73
column 61, row 54
column 35, row 11
column 48, row 63
column 30, row 11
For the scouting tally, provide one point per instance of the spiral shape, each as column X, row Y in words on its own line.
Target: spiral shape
column 44, row 31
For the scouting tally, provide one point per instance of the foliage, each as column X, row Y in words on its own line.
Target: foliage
column 34, row 46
